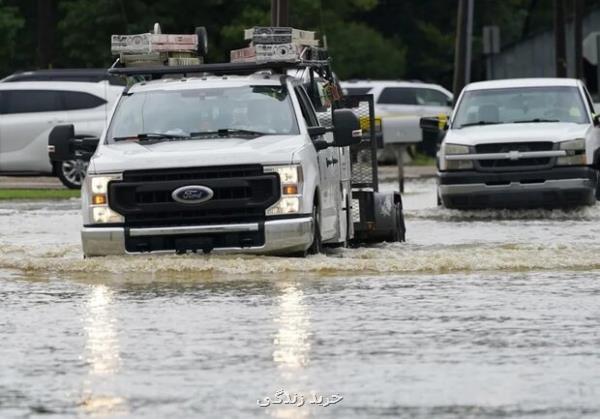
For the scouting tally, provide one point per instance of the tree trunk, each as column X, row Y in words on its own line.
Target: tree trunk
column 46, row 33
column 460, row 51
column 560, row 46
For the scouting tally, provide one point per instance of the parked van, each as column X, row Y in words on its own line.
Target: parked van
column 30, row 109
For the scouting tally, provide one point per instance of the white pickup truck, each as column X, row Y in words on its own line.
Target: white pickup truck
column 519, row 143
column 232, row 158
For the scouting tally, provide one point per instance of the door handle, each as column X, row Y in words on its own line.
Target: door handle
column 331, row 162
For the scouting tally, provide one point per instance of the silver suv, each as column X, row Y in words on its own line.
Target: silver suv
column 31, row 104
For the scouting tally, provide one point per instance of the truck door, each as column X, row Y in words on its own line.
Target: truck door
column 595, row 134
column 327, row 169
column 28, row 116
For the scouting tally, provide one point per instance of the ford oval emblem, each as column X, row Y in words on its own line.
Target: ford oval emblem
column 193, row 194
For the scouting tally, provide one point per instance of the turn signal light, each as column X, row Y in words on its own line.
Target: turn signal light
column 290, row 189
column 99, row 199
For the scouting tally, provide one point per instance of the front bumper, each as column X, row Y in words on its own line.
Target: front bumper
column 552, row 188
column 282, row 236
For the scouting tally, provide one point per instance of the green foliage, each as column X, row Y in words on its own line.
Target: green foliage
column 412, row 39
column 10, row 24
column 359, row 51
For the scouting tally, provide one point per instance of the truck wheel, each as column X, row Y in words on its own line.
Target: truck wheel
column 71, row 172
column 316, row 247
column 401, row 229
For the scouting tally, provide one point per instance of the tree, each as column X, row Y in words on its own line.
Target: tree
column 10, row 24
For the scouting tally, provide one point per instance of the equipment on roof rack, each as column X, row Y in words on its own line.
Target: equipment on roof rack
column 277, row 44
column 156, row 48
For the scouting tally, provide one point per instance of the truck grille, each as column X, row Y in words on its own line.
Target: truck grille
column 241, row 194
column 520, row 164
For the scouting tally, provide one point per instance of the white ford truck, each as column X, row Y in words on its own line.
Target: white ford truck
column 519, row 143
column 223, row 157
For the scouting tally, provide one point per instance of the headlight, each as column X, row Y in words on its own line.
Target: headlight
column 578, row 144
column 459, row 165
column 100, row 212
column 575, row 153
column 456, row 149
column 291, row 189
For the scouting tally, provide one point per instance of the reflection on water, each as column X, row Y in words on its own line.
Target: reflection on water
column 102, row 354
column 102, row 343
column 292, row 344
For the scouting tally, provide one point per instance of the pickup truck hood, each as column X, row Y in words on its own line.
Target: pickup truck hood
column 131, row 155
column 510, row 133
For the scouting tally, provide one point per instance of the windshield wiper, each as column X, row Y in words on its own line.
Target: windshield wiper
column 472, row 124
column 228, row 132
column 535, row 120
column 152, row 136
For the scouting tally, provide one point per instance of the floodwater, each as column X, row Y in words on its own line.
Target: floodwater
column 480, row 314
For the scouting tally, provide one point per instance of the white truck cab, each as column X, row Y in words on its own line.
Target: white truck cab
column 259, row 182
column 520, row 143
column 224, row 157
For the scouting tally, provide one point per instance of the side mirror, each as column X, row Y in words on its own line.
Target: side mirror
column 321, row 145
column 346, row 128
column 596, row 120
column 316, row 132
column 64, row 145
column 434, row 123
column 59, row 143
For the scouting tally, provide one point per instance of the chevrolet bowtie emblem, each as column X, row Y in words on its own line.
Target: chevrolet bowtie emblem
column 514, row 155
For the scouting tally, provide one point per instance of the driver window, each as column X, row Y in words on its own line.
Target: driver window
column 589, row 100
column 307, row 111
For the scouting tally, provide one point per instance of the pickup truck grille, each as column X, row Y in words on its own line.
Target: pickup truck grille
column 520, row 164
column 241, row 194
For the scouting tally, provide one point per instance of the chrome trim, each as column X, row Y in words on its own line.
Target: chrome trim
column 283, row 236
column 511, row 155
column 548, row 185
column 103, row 241
column 204, row 229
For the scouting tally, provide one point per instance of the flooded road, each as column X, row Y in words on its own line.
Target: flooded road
column 480, row 314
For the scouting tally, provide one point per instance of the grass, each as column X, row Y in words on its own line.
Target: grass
column 9, row 194
column 422, row 160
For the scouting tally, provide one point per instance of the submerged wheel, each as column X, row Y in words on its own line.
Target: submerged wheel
column 72, row 172
column 317, row 246
column 401, row 227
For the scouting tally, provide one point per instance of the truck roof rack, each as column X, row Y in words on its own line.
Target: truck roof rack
column 237, row 68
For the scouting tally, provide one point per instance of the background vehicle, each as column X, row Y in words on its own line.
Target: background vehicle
column 520, row 143
column 401, row 104
column 30, row 109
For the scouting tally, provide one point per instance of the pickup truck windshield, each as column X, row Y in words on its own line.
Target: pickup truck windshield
column 173, row 115
column 521, row 105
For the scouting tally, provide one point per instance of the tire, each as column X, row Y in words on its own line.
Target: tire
column 202, row 35
column 71, row 172
column 317, row 246
column 401, row 236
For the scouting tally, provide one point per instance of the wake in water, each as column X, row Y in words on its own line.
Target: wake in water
column 44, row 237
column 443, row 214
column 383, row 259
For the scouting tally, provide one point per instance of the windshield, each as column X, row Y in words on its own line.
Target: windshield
column 204, row 113
column 521, row 105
